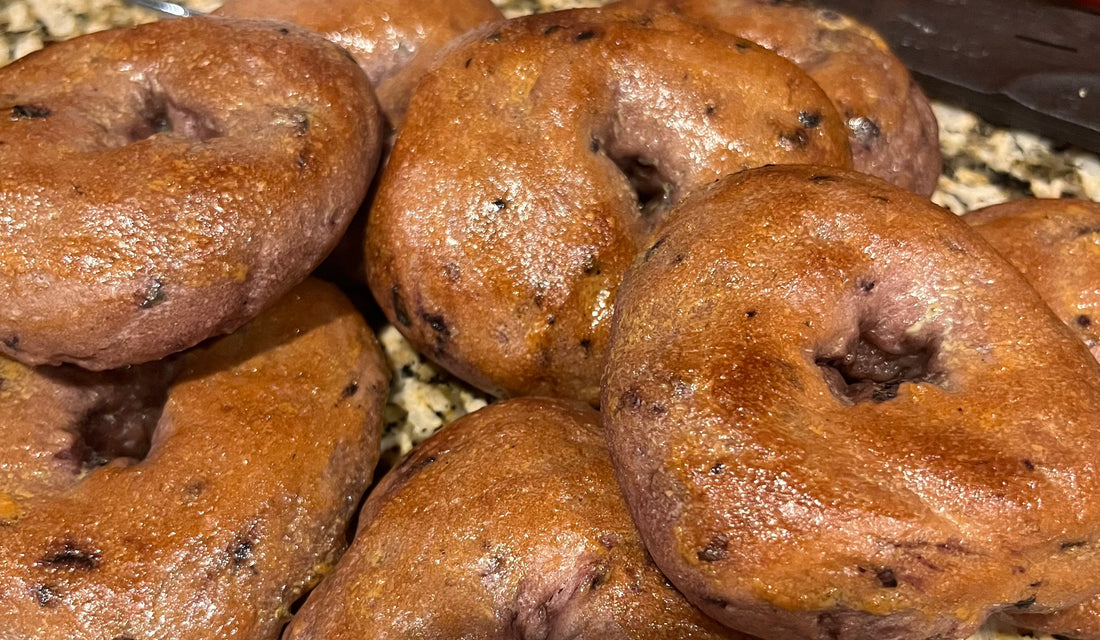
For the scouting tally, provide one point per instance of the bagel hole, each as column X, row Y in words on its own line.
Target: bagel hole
column 160, row 114
column 869, row 371
column 120, row 422
column 111, row 433
column 652, row 190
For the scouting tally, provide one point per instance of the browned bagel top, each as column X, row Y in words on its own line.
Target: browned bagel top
column 891, row 125
column 533, row 163
column 837, row 413
column 506, row 524
column 162, row 184
column 394, row 41
column 1056, row 245
column 266, row 441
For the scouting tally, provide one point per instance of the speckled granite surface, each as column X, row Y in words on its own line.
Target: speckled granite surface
column 983, row 165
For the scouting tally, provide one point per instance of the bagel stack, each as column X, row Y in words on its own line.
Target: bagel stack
column 746, row 392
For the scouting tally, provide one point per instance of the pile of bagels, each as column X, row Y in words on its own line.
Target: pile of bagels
column 753, row 383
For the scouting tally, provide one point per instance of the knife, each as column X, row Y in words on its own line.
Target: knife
column 172, row 9
column 1028, row 64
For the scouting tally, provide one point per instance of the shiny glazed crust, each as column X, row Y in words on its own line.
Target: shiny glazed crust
column 891, row 126
column 1056, row 245
column 163, row 184
column 506, row 524
column 394, row 41
column 510, row 207
column 837, row 413
column 266, row 442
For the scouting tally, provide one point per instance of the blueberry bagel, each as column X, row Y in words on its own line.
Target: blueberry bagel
column 836, row 412
column 533, row 163
column 163, row 184
column 506, row 524
column 264, row 442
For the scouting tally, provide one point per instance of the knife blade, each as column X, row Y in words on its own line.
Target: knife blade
column 1029, row 64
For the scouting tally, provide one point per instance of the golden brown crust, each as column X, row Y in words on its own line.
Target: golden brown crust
column 1056, row 245
column 265, row 444
column 163, row 184
column 394, row 41
column 837, row 413
column 506, row 215
column 506, row 524
column 892, row 129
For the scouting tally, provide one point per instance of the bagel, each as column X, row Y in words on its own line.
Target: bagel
column 891, row 127
column 266, row 441
column 506, row 524
column 163, row 184
column 835, row 412
column 394, row 41
column 1056, row 245
column 535, row 159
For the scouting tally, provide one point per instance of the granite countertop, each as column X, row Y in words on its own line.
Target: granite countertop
column 983, row 165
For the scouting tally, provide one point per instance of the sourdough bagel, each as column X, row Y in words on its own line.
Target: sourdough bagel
column 266, row 441
column 394, row 41
column 535, row 159
column 161, row 185
column 506, row 524
column 891, row 126
column 836, row 412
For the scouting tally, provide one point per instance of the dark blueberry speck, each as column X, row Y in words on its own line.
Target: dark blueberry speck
column 29, row 112
column 793, row 141
column 500, row 204
column 585, row 35
column 809, row 119
column 630, row 400
column 350, row 390
column 887, row 578
column 1084, row 321
column 399, row 307
column 71, row 557
column 715, row 550
column 45, row 596
column 437, row 322
column 1024, row 604
column 751, row 313
column 865, row 130
column 554, row 28
column 154, row 295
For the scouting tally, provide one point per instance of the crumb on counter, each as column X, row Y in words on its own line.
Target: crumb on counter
column 422, row 398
